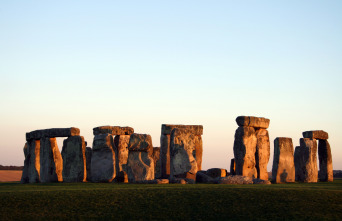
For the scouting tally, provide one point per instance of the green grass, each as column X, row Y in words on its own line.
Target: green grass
column 317, row 201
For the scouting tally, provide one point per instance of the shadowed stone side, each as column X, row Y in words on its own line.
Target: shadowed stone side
column 262, row 154
column 121, row 152
column 232, row 167
column 32, row 162
column 51, row 162
column 216, row 172
column 88, row 154
column 283, row 170
column 165, row 155
column 74, row 159
column 53, row 132
column 325, row 161
column 244, row 151
column 157, row 163
column 24, row 175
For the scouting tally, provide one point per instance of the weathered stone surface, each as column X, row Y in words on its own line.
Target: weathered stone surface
column 53, row 132
column 51, row 162
column 216, row 172
column 198, row 151
column 183, row 153
column 103, row 159
column 31, row 168
column 305, row 159
column 194, row 129
column 316, row 134
column 140, row 142
column 262, row 154
column 260, row 181
column 232, row 167
column 157, row 163
column 24, row 175
column 113, row 130
column 121, row 152
column 283, row 170
column 74, row 159
column 165, row 155
column 140, row 166
column 244, row 151
column 88, row 154
column 202, row 177
column 325, row 161
column 237, row 179
column 250, row 121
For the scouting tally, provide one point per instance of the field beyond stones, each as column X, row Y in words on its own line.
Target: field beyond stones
column 310, row 201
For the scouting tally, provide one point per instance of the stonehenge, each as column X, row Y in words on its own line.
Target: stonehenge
column 305, row 159
column 283, row 170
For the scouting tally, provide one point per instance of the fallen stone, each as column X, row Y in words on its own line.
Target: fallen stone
column 53, row 132
column 325, row 161
column 140, row 166
column 103, row 159
column 262, row 154
column 201, row 177
column 165, row 155
column 232, row 167
column 156, row 160
column 51, row 162
column 237, row 179
column 283, row 170
column 316, row 134
column 216, row 172
column 74, row 159
column 162, row 181
column 113, row 130
column 250, row 121
column 88, row 154
column 121, row 152
column 194, row 129
column 244, row 151
column 260, row 181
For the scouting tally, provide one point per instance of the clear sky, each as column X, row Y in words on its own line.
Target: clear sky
column 145, row 63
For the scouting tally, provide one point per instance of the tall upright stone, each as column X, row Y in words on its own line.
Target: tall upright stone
column 51, row 162
column 244, row 151
column 305, row 159
column 31, row 168
column 103, row 159
column 165, row 155
column 232, row 167
column 74, row 159
column 262, row 154
column 157, row 163
column 283, row 170
column 88, row 154
column 140, row 165
column 325, row 161
column 121, row 152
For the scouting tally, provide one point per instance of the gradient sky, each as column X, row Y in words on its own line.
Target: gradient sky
column 145, row 63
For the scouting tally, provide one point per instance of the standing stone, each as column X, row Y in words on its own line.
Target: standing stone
column 198, row 151
column 305, row 158
column 283, row 170
column 74, row 159
column 51, row 162
column 33, row 155
column 24, row 175
column 244, row 151
column 325, row 161
column 140, row 166
column 121, row 152
column 103, row 159
column 165, row 155
column 232, row 167
column 183, row 153
column 88, row 154
column 262, row 154
column 157, row 163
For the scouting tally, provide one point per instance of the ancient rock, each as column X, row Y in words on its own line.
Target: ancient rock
column 262, row 154
column 140, row 165
column 51, row 162
column 182, row 154
column 325, row 161
column 31, row 168
column 198, row 151
column 232, row 167
column 165, row 155
column 53, row 132
column 250, row 121
column 194, row 129
column 216, row 172
column 74, row 159
column 244, row 151
column 260, row 181
column 103, row 159
column 156, row 160
column 121, row 152
column 24, row 175
column 113, row 130
column 283, row 170
column 305, row 159
column 88, row 154
column 202, row 177
column 237, row 179
column 162, row 181
column 316, row 134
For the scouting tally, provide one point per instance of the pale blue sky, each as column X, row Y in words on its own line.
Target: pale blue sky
column 144, row 63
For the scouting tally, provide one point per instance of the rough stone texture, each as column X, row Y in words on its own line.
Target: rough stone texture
column 74, row 159
column 283, row 170
column 262, row 154
column 237, row 179
column 305, row 159
column 53, row 132
column 316, row 134
column 194, row 129
column 165, row 155
column 140, row 142
column 244, row 151
column 140, row 166
column 103, row 159
column 260, row 181
column 250, row 121
column 202, row 177
column 216, row 172
column 199, row 151
column 51, row 162
column 88, row 154
column 31, row 168
column 121, row 152
column 232, row 167
column 113, row 130
column 157, row 163
column 182, row 154
column 24, row 175
column 325, row 161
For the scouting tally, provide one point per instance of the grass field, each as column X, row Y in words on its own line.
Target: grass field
column 317, row 201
